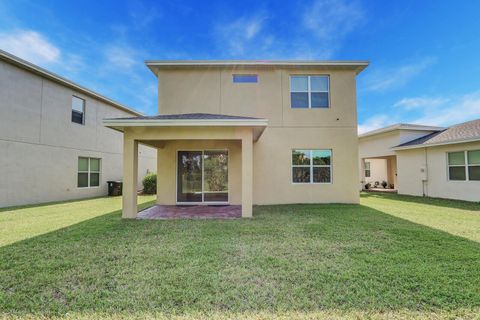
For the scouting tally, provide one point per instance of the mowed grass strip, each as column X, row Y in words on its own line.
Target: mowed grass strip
column 295, row 261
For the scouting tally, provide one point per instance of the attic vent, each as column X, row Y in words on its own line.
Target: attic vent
column 245, row 78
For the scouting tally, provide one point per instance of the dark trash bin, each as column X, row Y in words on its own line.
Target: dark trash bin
column 114, row 188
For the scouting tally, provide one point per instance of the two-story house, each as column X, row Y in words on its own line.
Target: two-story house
column 53, row 145
column 248, row 132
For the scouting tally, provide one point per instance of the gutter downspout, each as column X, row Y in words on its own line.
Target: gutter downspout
column 425, row 181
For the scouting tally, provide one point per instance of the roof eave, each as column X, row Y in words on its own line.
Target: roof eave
column 155, row 65
column 427, row 145
column 258, row 125
column 59, row 79
column 399, row 126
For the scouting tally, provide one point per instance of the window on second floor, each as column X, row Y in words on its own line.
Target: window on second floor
column 78, row 110
column 310, row 91
column 245, row 78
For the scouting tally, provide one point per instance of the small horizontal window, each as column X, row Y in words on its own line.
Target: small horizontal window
column 245, row 78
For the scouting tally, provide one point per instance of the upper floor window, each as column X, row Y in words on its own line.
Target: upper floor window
column 311, row 166
column 78, row 110
column 464, row 165
column 88, row 172
column 368, row 171
column 310, row 91
column 245, row 78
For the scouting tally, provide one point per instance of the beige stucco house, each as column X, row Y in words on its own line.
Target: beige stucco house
column 53, row 145
column 248, row 132
column 425, row 160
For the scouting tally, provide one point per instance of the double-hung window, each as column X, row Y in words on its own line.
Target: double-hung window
column 368, row 171
column 464, row 165
column 78, row 110
column 310, row 91
column 88, row 172
column 311, row 166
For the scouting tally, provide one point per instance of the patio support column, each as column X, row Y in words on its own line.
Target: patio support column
column 130, row 174
column 247, row 175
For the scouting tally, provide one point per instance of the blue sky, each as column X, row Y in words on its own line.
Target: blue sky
column 424, row 54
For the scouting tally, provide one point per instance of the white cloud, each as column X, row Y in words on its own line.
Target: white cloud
column 395, row 77
column 461, row 109
column 242, row 35
column 375, row 122
column 330, row 20
column 30, row 45
column 121, row 56
column 420, row 102
column 434, row 111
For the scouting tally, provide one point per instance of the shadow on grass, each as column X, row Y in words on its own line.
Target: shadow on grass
column 449, row 203
column 45, row 204
column 288, row 258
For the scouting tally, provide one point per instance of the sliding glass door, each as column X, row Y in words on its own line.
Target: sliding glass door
column 202, row 176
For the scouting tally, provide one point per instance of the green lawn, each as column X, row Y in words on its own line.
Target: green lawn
column 390, row 257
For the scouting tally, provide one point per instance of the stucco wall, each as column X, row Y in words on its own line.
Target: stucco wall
column 212, row 91
column 435, row 158
column 40, row 146
column 378, row 171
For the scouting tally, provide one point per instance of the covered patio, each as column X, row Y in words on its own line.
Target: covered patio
column 204, row 164
column 161, row 212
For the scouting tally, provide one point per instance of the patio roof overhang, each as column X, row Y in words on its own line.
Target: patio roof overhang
column 195, row 120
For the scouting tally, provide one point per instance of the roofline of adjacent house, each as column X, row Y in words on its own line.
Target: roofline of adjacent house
column 427, row 145
column 357, row 65
column 400, row 126
column 185, row 122
column 59, row 79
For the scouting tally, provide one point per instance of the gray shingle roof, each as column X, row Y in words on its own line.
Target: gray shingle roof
column 189, row 116
column 464, row 131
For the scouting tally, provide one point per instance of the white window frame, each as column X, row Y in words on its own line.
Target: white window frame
column 466, row 166
column 369, row 169
column 84, row 106
column 227, row 150
column 311, row 166
column 89, row 171
column 309, row 90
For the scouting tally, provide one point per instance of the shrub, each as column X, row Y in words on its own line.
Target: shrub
column 384, row 184
column 150, row 183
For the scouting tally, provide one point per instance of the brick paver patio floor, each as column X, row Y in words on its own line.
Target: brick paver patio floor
column 191, row 212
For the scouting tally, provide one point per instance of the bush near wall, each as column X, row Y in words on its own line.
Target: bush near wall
column 150, row 183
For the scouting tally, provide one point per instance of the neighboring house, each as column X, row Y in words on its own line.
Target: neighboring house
column 425, row 160
column 248, row 132
column 53, row 145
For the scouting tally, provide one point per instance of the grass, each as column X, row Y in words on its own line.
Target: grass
column 390, row 257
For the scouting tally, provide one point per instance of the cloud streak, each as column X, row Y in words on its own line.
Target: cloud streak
column 434, row 111
column 243, row 34
column 31, row 46
column 317, row 30
column 391, row 78
column 330, row 20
